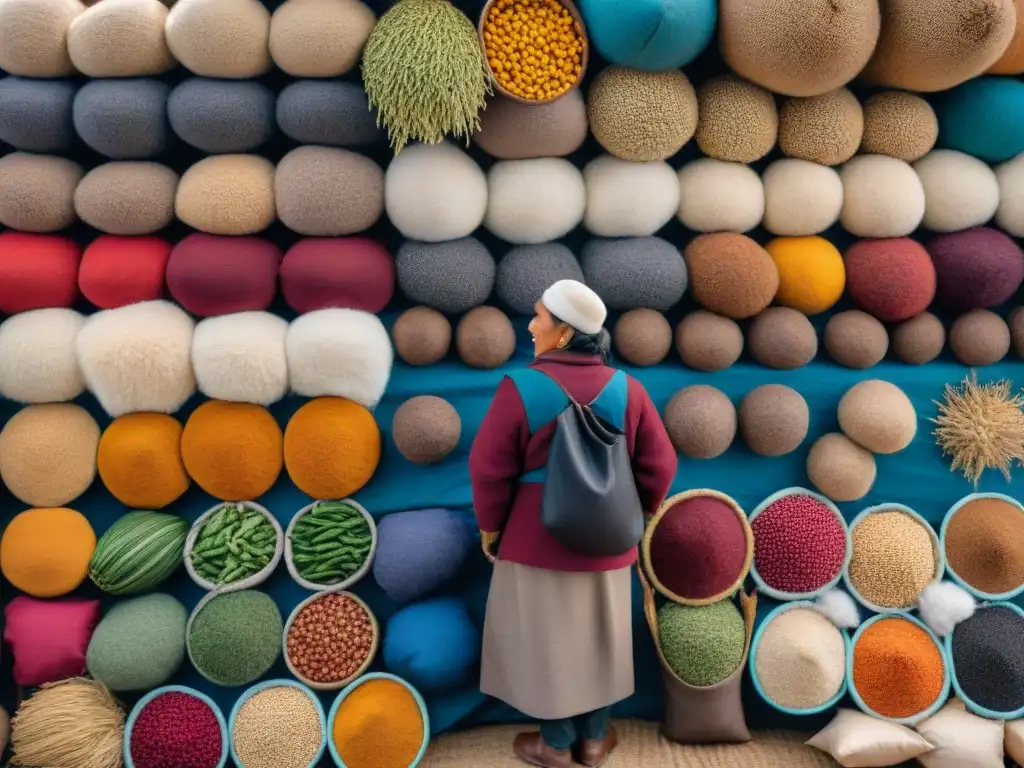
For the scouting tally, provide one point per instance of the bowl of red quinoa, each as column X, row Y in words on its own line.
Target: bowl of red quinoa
column 982, row 539
column 801, row 545
column 175, row 726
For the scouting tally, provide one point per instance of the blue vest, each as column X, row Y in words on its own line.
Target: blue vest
column 544, row 400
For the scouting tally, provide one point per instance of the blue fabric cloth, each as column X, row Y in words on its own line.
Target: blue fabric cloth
column 433, row 644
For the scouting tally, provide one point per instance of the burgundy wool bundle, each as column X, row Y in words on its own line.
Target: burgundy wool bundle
column 891, row 279
column 176, row 730
column 212, row 275
column 338, row 272
column 977, row 268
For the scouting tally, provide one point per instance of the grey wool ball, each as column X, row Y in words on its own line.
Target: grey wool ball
column 708, row 342
column 642, row 337
column 452, row 276
column 35, row 115
column 855, row 339
column 701, row 421
column 123, row 119
column 774, row 420
column 220, row 116
column 525, row 272
column 635, row 272
column 782, row 338
column 422, row 336
column 328, row 112
column 485, row 338
column 426, row 429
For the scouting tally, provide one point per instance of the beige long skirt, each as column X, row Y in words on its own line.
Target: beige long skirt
column 558, row 644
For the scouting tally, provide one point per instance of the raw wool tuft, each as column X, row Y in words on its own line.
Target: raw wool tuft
column 329, row 113
column 782, row 338
column 979, row 337
column 513, row 131
column 800, row 197
column 1010, row 214
column 701, row 421
column 121, row 38
column 730, row 274
column 642, row 116
column 426, row 429
column 34, row 34
column 882, row 197
column 341, row 353
column 738, row 121
column 855, row 339
column 138, row 357
column 212, row 275
column 534, row 201
column 774, row 420
column 812, row 274
column 319, row 38
column 839, row 608
column 878, row 416
column 525, row 272
column 485, row 338
column 943, row 605
column 919, row 340
column 37, row 271
column 435, row 192
column 718, row 196
column 241, row 357
column 960, row 191
column 227, row 195
column 798, row 49
column 892, row 279
column 422, row 336
column 220, row 38
column 35, row 115
column 824, row 129
column 708, row 342
column 642, row 337
column 127, row 198
column 629, row 199
column 452, row 276
column 976, row 269
column 650, row 34
column 123, row 118
column 222, row 116
column 840, row 469
column 635, row 272
column 37, row 192
column 38, row 362
column 899, row 124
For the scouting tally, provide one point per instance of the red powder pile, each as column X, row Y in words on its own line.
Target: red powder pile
column 799, row 545
column 176, row 730
column 699, row 548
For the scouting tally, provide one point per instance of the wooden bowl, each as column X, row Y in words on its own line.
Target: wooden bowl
column 584, row 56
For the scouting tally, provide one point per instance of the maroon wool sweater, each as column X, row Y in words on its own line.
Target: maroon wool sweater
column 504, row 450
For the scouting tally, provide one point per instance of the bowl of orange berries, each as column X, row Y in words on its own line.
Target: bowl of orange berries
column 535, row 50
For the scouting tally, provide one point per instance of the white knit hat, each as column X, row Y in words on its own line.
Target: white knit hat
column 572, row 302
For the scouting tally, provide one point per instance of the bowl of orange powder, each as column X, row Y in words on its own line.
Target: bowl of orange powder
column 897, row 669
column 379, row 721
column 536, row 51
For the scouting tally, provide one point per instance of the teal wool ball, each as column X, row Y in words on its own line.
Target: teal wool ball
column 983, row 117
column 650, row 34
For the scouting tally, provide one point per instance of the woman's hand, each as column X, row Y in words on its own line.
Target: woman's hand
column 487, row 542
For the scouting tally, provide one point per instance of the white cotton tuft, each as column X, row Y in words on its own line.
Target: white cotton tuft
column 241, row 357
column 839, row 608
column 943, row 605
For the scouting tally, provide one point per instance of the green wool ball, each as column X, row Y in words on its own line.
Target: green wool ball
column 236, row 637
column 703, row 645
column 139, row 644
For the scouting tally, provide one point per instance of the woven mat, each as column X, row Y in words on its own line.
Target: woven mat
column 640, row 744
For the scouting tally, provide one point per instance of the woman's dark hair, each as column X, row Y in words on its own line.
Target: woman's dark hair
column 599, row 343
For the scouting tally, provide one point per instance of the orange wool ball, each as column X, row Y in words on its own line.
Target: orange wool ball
column 332, row 447
column 46, row 552
column 232, row 450
column 139, row 460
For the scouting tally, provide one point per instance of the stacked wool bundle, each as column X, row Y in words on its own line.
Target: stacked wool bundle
column 37, row 192
column 773, row 420
column 812, row 272
column 234, row 638
column 892, row 279
column 1010, row 214
column 878, row 416
column 882, row 197
column 347, row 273
column 139, row 460
column 635, row 272
column 33, row 41
column 37, row 356
column 485, row 338
column 731, row 274
column 209, row 275
column 701, row 421
column 329, row 113
column 452, row 276
column 227, row 195
column 738, row 121
column 708, row 342
column 319, row 38
column 45, row 552
column 919, row 340
column 127, row 198
column 855, row 339
column 117, row 271
column 976, row 269
column 35, row 115
column 984, row 544
column 893, row 559
column 422, row 336
column 720, row 196
column 979, row 337
column 703, row 645
column 840, row 468
column 626, row 199
column 899, row 124
column 228, row 39
column 241, row 357
column 543, row 199
column 37, row 271
column 510, row 130
column 123, row 119
column 800, row 197
column 650, row 35
column 426, row 429
column 642, row 337
column 419, row 552
column 433, row 644
column 123, row 38
column 220, row 116
column 525, row 272
column 825, row 129
column 800, row 659
column 988, row 658
column 48, row 638
column 960, row 191
column 782, row 338
column 994, row 138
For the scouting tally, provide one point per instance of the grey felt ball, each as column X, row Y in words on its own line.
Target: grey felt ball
column 35, row 115
column 219, row 116
column 524, row 273
column 452, row 276
column 328, row 112
column 123, row 119
column 635, row 272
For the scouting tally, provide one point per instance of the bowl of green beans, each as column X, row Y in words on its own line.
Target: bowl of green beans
column 234, row 545
column 329, row 545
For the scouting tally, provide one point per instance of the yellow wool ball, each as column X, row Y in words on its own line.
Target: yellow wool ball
column 812, row 275
column 232, row 450
column 331, row 447
column 139, row 460
column 46, row 552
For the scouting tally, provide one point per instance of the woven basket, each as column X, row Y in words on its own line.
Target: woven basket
column 340, row 586
column 250, row 581
column 145, row 700
column 968, row 702
column 282, row 683
column 374, row 644
column 986, row 596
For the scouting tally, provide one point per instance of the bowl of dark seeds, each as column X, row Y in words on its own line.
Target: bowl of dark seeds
column 987, row 661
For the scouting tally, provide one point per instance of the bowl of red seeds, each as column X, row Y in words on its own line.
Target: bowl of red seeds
column 801, row 545
column 330, row 639
column 175, row 727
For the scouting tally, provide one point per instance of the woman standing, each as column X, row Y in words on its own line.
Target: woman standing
column 558, row 637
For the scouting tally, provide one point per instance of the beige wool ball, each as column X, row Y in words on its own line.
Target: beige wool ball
column 841, row 469
column 642, row 337
column 919, row 340
column 220, row 38
column 960, row 191
column 227, row 195
column 426, row 429
column 737, row 121
column 1010, row 214
column 34, row 36
column 485, row 338
column 127, row 198
column 899, row 124
column 38, row 362
column 121, row 38
column 510, row 130
column 801, row 198
column 855, row 339
column 878, row 416
column 979, row 337
column 629, row 199
column 719, row 196
column 1016, row 324
column 824, row 129
column 701, row 421
column 422, row 336
column 773, row 420
column 882, row 197
column 782, row 338
column 708, row 342
column 319, row 38
column 37, row 192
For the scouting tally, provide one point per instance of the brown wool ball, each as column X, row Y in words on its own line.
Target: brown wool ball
column 485, row 338
column 319, row 38
column 426, row 429
column 708, row 342
column 37, row 192
column 737, row 120
column 840, row 468
column 227, row 195
column 731, row 274
column 127, row 198
column 1016, row 324
column 513, row 131
column 899, row 124
column 855, row 339
column 642, row 116
column 220, row 38
column 782, row 338
column 34, row 35
column 774, row 420
column 878, row 416
column 422, row 336
column 642, row 337
column 121, row 38
column 701, row 421
column 825, row 129
column 919, row 340
column 979, row 337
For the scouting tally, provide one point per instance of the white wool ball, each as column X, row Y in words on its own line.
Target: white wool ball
column 339, row 353
column 627, row 199
column 801, row 198
column 882, row 197
column 138, row 357
column 38, row 362
column 943, row 605
column 435, row 192
column 241, row 357
column 719, row 196
column 839, row 608
column 960, row 191
column 534, row 201
column 1010, row 214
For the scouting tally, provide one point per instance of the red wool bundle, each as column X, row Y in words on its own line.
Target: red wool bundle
column 799, row 544
column 176, row 730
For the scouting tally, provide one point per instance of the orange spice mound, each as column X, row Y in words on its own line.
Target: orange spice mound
column 898, row 669
column 139, row 460
column 379, row 724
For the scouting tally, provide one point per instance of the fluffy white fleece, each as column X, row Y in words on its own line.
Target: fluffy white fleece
column 534, row 201
column 629, row 199
column 1010, row 214
column 38, row 363
column 882, row 197
column 339, row 352
column 241, row 357
column 138, row 357
column 718, row 196
column 960, row 191
column 943, row 605
column 839, row 608
column 801, row 198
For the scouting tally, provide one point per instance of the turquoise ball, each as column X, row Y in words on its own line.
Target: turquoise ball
column 650, row 34
column 983, row 117
column 433, row 644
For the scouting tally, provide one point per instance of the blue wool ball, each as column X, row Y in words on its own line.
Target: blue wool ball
column 434, row 644
column 419, row 551
column 983, row 117
column 650, row 34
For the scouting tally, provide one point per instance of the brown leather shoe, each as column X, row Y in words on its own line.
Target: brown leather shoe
column 532, row 749
column 593, row 752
